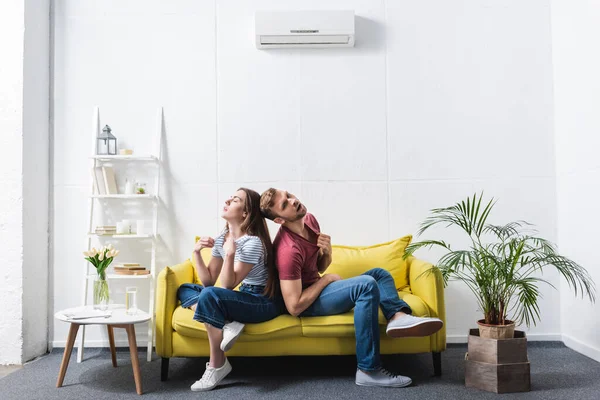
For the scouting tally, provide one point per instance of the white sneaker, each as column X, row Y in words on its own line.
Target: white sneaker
column 231, row 332
column 211, row 377
column 410, row 326
column 382, row 377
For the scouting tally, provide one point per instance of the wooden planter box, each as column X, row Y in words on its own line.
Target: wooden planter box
column 497, row 365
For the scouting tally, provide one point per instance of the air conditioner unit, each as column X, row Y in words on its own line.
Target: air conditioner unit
column 313, row 29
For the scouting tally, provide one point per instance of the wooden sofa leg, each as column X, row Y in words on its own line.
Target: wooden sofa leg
column 437, row 363
column 164, row 369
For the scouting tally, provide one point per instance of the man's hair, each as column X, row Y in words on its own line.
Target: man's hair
column 267, row 201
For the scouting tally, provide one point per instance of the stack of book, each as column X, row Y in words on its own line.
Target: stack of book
column 106, row 230
column 130, row 269
column 104, row 180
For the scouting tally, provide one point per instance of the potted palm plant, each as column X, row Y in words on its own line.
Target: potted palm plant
column 501, row 265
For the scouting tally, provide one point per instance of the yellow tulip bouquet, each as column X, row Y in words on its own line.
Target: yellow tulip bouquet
column 101, row 259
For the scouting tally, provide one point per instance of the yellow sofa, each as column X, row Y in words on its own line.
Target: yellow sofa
column 178, row 335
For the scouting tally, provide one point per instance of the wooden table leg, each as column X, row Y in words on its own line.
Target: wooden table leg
column 111, row 341
column 67, row 353
column 135, row 363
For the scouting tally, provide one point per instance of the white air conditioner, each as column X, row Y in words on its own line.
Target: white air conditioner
column 287, row 29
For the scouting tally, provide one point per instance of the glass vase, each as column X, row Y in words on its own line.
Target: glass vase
column 101, row 293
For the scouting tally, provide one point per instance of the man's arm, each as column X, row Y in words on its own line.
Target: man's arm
column 298, row 300
column 323, row 262
column 324, row 259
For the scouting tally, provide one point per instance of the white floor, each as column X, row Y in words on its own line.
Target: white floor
column 7, row 369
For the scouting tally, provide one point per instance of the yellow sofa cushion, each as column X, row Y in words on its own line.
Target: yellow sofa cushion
column 342, row 325
column 350, row 261
column 280, row 327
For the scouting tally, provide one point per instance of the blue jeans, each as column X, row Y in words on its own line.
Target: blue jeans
column 365, row 293
column 216, row 306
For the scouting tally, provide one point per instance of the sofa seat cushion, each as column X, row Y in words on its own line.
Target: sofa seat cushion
column 350, row 261
column 280, row 327
column 342, row 325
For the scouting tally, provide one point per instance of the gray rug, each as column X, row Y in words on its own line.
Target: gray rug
column 556, row 373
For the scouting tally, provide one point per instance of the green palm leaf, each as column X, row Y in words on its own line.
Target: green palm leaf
column 503, row 274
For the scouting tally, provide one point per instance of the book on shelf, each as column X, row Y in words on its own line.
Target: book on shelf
column 119, row 268
column 104, row 180
column 110, row 183
column 128, row 264
column 143, row 271
column 105, row 230
column 99, row 187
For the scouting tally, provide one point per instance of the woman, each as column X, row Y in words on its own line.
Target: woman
column 243, row 252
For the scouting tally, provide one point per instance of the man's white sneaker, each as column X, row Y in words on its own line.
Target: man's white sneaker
column 212, row 377
column 409, row 325
column 382, row 377
column 231, row 332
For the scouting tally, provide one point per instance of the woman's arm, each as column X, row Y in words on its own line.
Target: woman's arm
column 234, row 272
column 208, row 275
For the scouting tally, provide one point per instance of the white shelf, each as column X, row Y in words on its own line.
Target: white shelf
column 124, row 158
column 122, row 236
column 152, row 160
column 124, row 196
column 117, row 276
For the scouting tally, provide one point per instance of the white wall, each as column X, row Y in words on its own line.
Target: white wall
column 11, row 162
column 436, row 101
column 24, row 122
column 576, row 60
column 36, row 177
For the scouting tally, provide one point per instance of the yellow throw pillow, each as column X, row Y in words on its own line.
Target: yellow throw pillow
column 350, row 261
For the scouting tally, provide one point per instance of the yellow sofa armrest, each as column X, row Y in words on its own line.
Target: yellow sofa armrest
column 427, row 283
column 167, row 283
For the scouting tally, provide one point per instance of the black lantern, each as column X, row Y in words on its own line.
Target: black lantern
column 106, row 143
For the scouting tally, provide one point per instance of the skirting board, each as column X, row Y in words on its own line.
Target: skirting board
column 540, row 337
column 554, row 337
column 142, row 342
column 582, row 348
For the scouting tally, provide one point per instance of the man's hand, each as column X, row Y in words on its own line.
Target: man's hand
column 332, row 277
column 204, row 242
column 324, row 243
column 229, row 246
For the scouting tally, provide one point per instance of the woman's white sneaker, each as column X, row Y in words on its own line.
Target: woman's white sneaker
column 231, row 332
column 211, row 377
column 381, row 377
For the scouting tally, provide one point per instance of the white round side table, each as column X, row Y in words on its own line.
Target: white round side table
column 118, row 319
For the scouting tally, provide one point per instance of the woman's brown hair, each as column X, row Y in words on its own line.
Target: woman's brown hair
column 255, row 224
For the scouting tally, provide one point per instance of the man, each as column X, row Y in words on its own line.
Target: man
column 301, row 252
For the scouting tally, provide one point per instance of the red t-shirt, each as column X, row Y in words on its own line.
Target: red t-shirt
column 296, row 257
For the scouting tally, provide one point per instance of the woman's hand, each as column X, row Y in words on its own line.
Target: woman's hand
column 229, row 246
column 204, row 242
